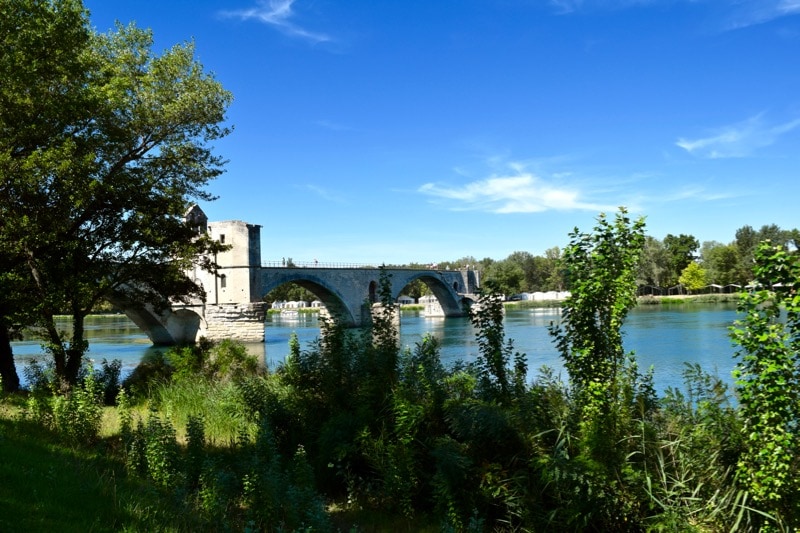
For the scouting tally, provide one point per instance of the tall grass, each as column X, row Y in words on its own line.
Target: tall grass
column 218, row 404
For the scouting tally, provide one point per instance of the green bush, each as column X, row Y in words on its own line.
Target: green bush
column 74, row 414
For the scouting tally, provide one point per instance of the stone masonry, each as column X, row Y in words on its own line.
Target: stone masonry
column 242, row 321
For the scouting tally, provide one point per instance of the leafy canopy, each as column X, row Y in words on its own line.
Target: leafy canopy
column 104, row 144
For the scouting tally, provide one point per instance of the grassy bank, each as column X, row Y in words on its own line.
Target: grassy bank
column 690, row 299
column 46, row 485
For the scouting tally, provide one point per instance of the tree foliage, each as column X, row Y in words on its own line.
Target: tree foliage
column 720, row 262
column 693, row 277
column 601, row 269
column 103, row 146
column 654, row 265
column 768, row 383
column 680, row 251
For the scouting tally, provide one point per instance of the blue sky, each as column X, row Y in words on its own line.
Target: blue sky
column 421, row 131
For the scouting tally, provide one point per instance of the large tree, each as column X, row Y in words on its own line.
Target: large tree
column 721, row 262
column 103, row 146
column 654, row 264
column 680, row 252
column 693, row 277
column 43, row 68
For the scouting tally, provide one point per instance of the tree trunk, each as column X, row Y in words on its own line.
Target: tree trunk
column 56, row 346
column 56, row 343
column 8, row 372
column 77, row 347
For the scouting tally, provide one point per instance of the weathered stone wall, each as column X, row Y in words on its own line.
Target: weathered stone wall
column 242, row 322
column 239, row 268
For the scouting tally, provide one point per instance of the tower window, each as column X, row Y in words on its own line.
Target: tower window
column 223, row 281
column 222, row 238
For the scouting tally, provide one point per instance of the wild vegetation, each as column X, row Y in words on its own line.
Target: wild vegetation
column 103, row 144
column 354, row 433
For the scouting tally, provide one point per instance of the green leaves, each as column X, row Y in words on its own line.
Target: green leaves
column 103, row 147
column 601, row 269
column 768, row 383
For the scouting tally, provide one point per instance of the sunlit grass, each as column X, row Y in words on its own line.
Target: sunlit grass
column 219, row 405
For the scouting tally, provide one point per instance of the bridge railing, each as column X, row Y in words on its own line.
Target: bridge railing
column 330, row 265
column 313, row 264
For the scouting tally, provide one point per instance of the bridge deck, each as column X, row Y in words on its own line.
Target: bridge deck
column 345, row 266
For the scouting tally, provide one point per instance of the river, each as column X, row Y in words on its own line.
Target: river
column 663, row 336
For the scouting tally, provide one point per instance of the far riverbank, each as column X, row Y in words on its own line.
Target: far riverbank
column 681, row 299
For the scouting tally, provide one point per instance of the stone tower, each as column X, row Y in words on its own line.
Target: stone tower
column 233, row 307
column 237, row 280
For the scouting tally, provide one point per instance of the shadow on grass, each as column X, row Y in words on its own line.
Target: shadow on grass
column 46, row 486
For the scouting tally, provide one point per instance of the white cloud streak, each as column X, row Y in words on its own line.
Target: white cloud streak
column 737, row 13
column 570, row 6
column 756, row 12
column 520, row 193
column 278, row 14
column 737, row 140
column 325, row 194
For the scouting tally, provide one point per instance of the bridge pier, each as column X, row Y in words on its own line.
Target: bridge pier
column 243, row 322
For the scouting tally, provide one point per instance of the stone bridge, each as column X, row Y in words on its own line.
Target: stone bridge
column 348, row 293
column 234, row 306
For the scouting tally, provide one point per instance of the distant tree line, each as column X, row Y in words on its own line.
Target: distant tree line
column 682, row 260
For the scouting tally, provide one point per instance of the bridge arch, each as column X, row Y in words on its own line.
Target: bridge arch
column 163, row 328
column 330, row 297
column 447, row 295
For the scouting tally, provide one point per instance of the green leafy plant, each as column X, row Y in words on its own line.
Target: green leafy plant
column 601, row 269
column 77, row 414
column 108, row 377
column 768, row 384
column 496, row 379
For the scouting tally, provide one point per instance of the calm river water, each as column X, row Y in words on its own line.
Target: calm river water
column 663, row 336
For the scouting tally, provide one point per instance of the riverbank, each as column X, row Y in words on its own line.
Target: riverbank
column 681, row 299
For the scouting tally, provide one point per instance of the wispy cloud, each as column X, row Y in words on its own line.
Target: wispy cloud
column 737, row 140
column 325, row 194
column 755, row 12
column 735, row 13
column 333, row 126
column 698, row 194
column 521, row 192
column 278, row 14
column 571, row 6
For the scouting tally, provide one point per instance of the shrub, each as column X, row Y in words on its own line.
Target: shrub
column 161, row 452
column 77, row 414
column 768, row 383
column 108, row 379
column 151, row 371
column 74, row 414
